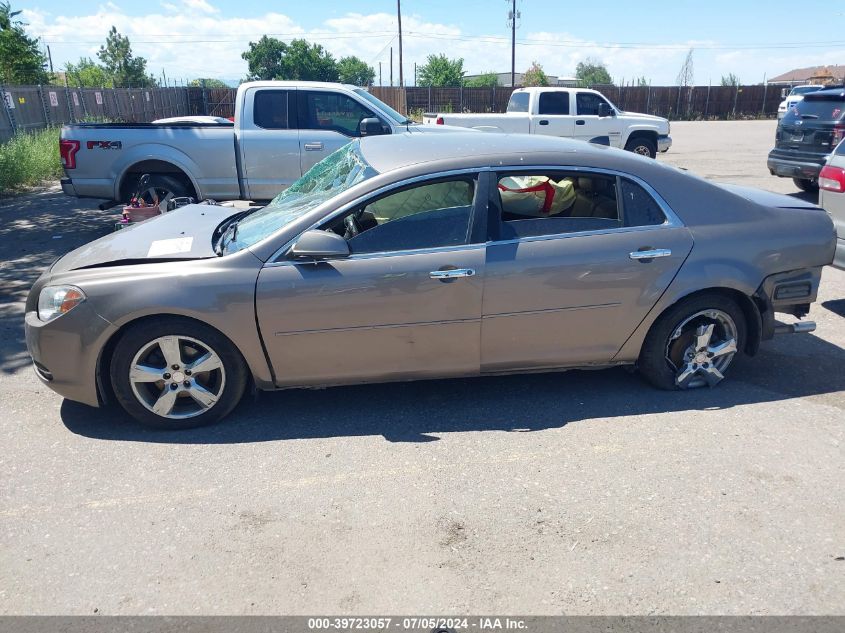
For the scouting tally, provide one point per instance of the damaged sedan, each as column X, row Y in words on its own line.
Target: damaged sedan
column 407, row 257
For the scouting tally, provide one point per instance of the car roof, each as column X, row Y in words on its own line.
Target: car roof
column 473, row 149
column 274, row 83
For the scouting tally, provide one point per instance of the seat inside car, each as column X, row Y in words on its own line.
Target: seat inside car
column 595, row 198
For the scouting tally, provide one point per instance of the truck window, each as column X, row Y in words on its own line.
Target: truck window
column 518, row 102
column 588, row 103
column 554, row 103
column 270, row 109
column 331, row 111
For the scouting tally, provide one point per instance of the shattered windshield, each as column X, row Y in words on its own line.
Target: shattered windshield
column 334, row 174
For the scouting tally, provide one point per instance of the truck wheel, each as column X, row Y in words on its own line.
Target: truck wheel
column 643, row 146
column 160, row 189
column 810, row 185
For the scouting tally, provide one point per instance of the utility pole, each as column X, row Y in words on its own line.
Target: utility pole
column 512, row 17
column 391, row 66
column 415, row 74
column 50, row 57
column 399, row 15
column 379, row 74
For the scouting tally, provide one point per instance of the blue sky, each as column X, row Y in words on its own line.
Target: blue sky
column 191, row 38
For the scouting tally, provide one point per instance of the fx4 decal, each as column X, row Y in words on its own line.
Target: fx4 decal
column 104, row 145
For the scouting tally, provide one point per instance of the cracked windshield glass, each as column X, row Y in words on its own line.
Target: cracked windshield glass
column 331, row 176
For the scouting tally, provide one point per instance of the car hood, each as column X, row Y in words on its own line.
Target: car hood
column 645, row 118
column 767, row 198
column 184, row 233
column 436, row 129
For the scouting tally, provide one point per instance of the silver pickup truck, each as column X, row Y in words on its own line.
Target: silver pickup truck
column 281, row 129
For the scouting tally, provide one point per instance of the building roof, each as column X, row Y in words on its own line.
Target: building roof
column 804, row 74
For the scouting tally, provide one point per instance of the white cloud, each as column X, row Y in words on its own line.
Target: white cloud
column 191, row 38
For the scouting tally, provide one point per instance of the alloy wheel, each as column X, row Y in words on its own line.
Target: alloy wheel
column 177, row 377
column 701, row 348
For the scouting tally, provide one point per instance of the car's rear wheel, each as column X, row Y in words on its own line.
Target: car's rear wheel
column 643, row 146
column 810, row 185
column 177, row 374
column 694, row 343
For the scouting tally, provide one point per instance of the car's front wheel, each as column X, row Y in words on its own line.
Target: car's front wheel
column 643, row 146
column 176, row 374
column 694, row 343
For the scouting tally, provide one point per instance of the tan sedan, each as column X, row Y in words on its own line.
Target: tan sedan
column 412, row 256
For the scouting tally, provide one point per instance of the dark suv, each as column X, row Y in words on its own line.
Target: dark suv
column 806, row 135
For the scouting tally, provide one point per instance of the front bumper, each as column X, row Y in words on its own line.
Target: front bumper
column 785, row 167
column 66, row 350
column 664, row 142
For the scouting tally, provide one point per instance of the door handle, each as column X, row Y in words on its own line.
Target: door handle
column 580, row 122
column 313, row 147
column 453, row 273
column 544, row 122
column 649, row 254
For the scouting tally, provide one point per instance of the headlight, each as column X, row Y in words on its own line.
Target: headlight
column 54, row 301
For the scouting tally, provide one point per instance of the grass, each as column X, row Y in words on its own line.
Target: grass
column 29, row 159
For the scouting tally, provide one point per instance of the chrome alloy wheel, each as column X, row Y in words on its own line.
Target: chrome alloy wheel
column 701, row 348
column 177, row 377
column 642, row 150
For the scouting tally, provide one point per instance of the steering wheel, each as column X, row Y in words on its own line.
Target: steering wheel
column 352, row 226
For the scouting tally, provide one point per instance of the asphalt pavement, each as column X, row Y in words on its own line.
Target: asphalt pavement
column 585, row 492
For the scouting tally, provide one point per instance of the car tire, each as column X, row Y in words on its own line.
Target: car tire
column 175, row 373
column 643, row 146
column 689, row 345
column 810, row 185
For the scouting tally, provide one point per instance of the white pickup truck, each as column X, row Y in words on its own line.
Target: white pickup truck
column 281, row 129
column 570, row 112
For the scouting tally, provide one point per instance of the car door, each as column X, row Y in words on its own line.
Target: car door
column 588, row 123
column 567, row 282
column 269, row 142
column 328, row 120
column 553, row 116
column 405, row 304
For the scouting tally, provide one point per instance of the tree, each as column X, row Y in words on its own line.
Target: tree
column 592, row 72
column 535, row 76
column 642, row 82
column 270, row 58
column 209, row 83
column 86, row 73
column 440, row 71
column 730, row 80
column 686, row 76
column 122, row 67
column 484, row 80
column 351, row 70
column 21, row 61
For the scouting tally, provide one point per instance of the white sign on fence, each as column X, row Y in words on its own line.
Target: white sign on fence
column 54, row 99
column 99, row 97
column 10, row 102
column 147, row 95
column 76, row 99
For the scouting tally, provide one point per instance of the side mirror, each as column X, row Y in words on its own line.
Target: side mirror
column 371, row 126
column 316, row 245
column 605, row 110
column 783, row 93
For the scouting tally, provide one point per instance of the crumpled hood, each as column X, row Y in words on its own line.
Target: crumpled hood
column 184, row 233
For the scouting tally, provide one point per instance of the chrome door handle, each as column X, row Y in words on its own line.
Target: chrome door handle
column 313, row 147
column 454, row 273
column 653, row 253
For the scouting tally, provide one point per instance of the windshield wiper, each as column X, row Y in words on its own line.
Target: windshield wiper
column 228, row 227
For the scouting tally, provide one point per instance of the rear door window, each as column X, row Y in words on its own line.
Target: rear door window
column 554, row 103
column 270, row 109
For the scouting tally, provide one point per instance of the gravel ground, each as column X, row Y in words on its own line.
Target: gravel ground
column 578, row 492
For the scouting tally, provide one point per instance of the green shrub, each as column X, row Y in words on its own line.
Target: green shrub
column 28, row 159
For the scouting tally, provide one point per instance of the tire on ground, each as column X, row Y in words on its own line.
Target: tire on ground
column 652, row 363
column 140, row 335
column 642, row 145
